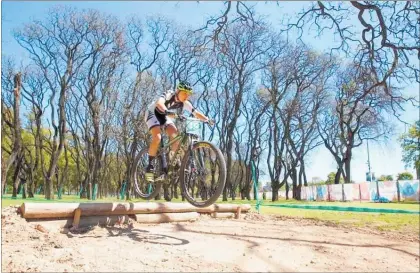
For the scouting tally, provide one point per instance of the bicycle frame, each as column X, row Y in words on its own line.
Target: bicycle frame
column 183, row 138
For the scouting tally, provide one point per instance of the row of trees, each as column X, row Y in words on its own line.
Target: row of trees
column 73, row 117
column 331, row 178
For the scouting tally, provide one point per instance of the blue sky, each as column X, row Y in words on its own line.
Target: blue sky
column 385, row 156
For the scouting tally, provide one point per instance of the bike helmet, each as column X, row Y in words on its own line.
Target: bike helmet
column 185, row 86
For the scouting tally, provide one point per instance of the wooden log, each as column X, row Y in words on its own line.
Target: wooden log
column 76, row 219
column 238, row 212
column 167, row 217
column 84, row 221
column 223, row 208
column 223, row 215
column 66, row 210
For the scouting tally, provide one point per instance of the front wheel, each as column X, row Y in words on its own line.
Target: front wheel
column 203, row 174
column 143, row 188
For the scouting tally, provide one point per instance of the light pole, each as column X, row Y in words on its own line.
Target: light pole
column 370, row 172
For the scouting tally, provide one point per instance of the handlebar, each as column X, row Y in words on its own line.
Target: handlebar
column 184, row 118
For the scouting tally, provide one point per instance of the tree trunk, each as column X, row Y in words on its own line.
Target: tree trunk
column 275, row 195
column 3, row 175
column 16, row 178
column 31, row 189
column 24, row 188
column 294, row 179
column 47, row 189
column 418, row 172
column 166, row 193
column 158, row 197
column 30, row 186
column 16, row 183
column 305, row 180
column 83, row 188
column 338, row 174
column 347, row 178
column 232, row 192
column 275, row 187
column 175, row 191
column 17, row 136
column 299, row 187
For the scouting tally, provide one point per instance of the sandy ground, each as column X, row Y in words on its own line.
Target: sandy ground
column 253, row 243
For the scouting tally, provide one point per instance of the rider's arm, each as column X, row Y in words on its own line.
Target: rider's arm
column 160, row 104
column 200, row 115
column 190, row 108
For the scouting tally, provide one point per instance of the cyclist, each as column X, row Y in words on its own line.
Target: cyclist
column 159, row 113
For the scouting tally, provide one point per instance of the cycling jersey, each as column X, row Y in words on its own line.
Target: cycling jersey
column 155, row 117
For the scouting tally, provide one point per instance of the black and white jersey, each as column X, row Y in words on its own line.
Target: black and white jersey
column 171, row 104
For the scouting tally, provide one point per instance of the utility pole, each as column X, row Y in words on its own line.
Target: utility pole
column 370, row 172
column 368, row 162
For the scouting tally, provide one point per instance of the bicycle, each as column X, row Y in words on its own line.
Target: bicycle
column 197, row 176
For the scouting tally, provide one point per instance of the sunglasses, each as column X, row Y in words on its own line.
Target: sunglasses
column 188, row 91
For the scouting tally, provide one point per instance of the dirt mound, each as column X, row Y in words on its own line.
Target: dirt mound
column 253, row 243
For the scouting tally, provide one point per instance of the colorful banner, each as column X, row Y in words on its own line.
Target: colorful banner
column 349, row 193
column 321, row 193
column 303, row 195
column 364, row 191
column 409, row 190
column 372, row 191
column 335, row 192
column 311, row 193
column 388, row 190
column 356, row 192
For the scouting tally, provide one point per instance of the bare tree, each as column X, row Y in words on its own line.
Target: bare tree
column 11, row 118
column 353, row 117
column 98, row 83
column 386, row 41
column 56, row 47
column 278, row 76
column 242, row 48
column 311, row 90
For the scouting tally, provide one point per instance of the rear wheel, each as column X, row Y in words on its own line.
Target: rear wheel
column 203, row 174
column 143, row 188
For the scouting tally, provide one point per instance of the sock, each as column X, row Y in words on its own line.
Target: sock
column 151, row 158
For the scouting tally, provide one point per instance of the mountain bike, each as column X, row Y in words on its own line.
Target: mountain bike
column 199, row 166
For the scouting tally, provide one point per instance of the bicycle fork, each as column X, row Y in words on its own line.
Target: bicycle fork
column 163, row 158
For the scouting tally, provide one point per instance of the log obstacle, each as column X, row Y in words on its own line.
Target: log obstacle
column 67, row 210
column 86, row 214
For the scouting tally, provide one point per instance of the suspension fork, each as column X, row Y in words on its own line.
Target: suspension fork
column 163, row 157
column 199, row 156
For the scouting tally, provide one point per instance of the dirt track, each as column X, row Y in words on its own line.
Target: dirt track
column 254, row 243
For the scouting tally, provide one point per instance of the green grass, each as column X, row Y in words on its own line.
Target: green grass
column 7, row 200
column 403, row 205
column 381, row 221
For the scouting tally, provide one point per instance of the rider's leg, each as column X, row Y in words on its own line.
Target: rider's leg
column 154, row 145
column 172, row 132
column 156, row 138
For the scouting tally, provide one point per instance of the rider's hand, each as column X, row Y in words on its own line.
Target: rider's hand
column 170, row 114
column 210, row 122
